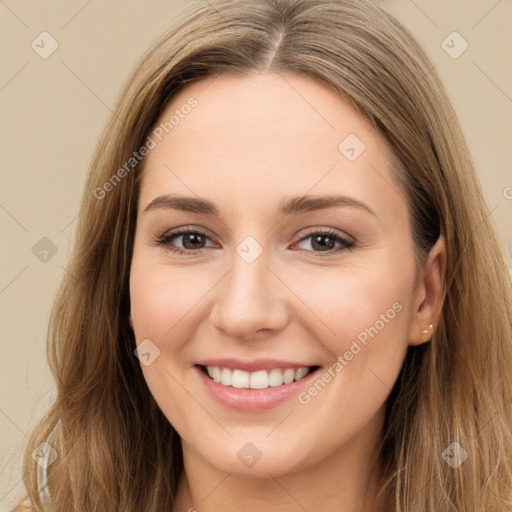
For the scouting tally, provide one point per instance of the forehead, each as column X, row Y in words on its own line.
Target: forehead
column 261, row 137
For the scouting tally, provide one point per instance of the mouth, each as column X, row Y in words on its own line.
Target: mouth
column 256, row 380
column 254, row 385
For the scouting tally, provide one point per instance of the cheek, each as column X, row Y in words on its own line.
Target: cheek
column 357, row 304
column 367, row 313
column 161, row 298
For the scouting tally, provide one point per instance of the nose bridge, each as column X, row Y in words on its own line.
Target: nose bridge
column 249, row 299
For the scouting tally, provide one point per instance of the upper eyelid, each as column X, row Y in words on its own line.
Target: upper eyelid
column 177, row 232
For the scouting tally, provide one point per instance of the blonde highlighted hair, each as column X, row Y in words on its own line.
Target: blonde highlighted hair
column 116, row 450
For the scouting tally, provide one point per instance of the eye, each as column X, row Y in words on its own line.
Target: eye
column 193, row 241
column 326, row 240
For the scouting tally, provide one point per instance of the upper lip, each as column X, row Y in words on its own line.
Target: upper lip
column 253, row 365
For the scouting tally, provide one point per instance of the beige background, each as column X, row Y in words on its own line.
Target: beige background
column 52, row 111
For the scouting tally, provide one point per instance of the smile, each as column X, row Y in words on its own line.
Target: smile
column 254, row 385
column 261, row 379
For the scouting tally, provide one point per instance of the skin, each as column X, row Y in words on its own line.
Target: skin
column 248, row 144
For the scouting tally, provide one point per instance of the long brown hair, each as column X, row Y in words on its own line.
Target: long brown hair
column 116, row 450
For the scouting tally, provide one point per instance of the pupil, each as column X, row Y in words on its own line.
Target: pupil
column 323, row 246
column 191, row 237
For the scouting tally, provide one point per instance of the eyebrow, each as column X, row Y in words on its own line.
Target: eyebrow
column 291, row 206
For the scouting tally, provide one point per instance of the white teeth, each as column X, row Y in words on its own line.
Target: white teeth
column 261, row 379
column 275, row 377
column 300, row 372
column 288, row 376
column 225, row 377
column 216, row 374
column 240, row 379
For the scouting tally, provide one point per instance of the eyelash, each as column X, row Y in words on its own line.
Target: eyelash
column 165, row 241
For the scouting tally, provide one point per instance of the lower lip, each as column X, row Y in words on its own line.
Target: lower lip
column 253, row 399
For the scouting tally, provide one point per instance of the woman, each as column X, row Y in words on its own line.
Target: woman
column 286, row 290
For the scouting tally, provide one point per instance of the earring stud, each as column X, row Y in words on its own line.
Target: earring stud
column 426, row 330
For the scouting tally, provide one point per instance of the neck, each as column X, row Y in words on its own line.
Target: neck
column 348, row 481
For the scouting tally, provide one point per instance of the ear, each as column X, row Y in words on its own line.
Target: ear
column 428, row 295
column 130, row 320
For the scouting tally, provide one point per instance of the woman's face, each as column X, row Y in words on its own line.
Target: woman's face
column 269, row 286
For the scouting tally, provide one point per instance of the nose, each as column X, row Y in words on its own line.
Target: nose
column 250, row 300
